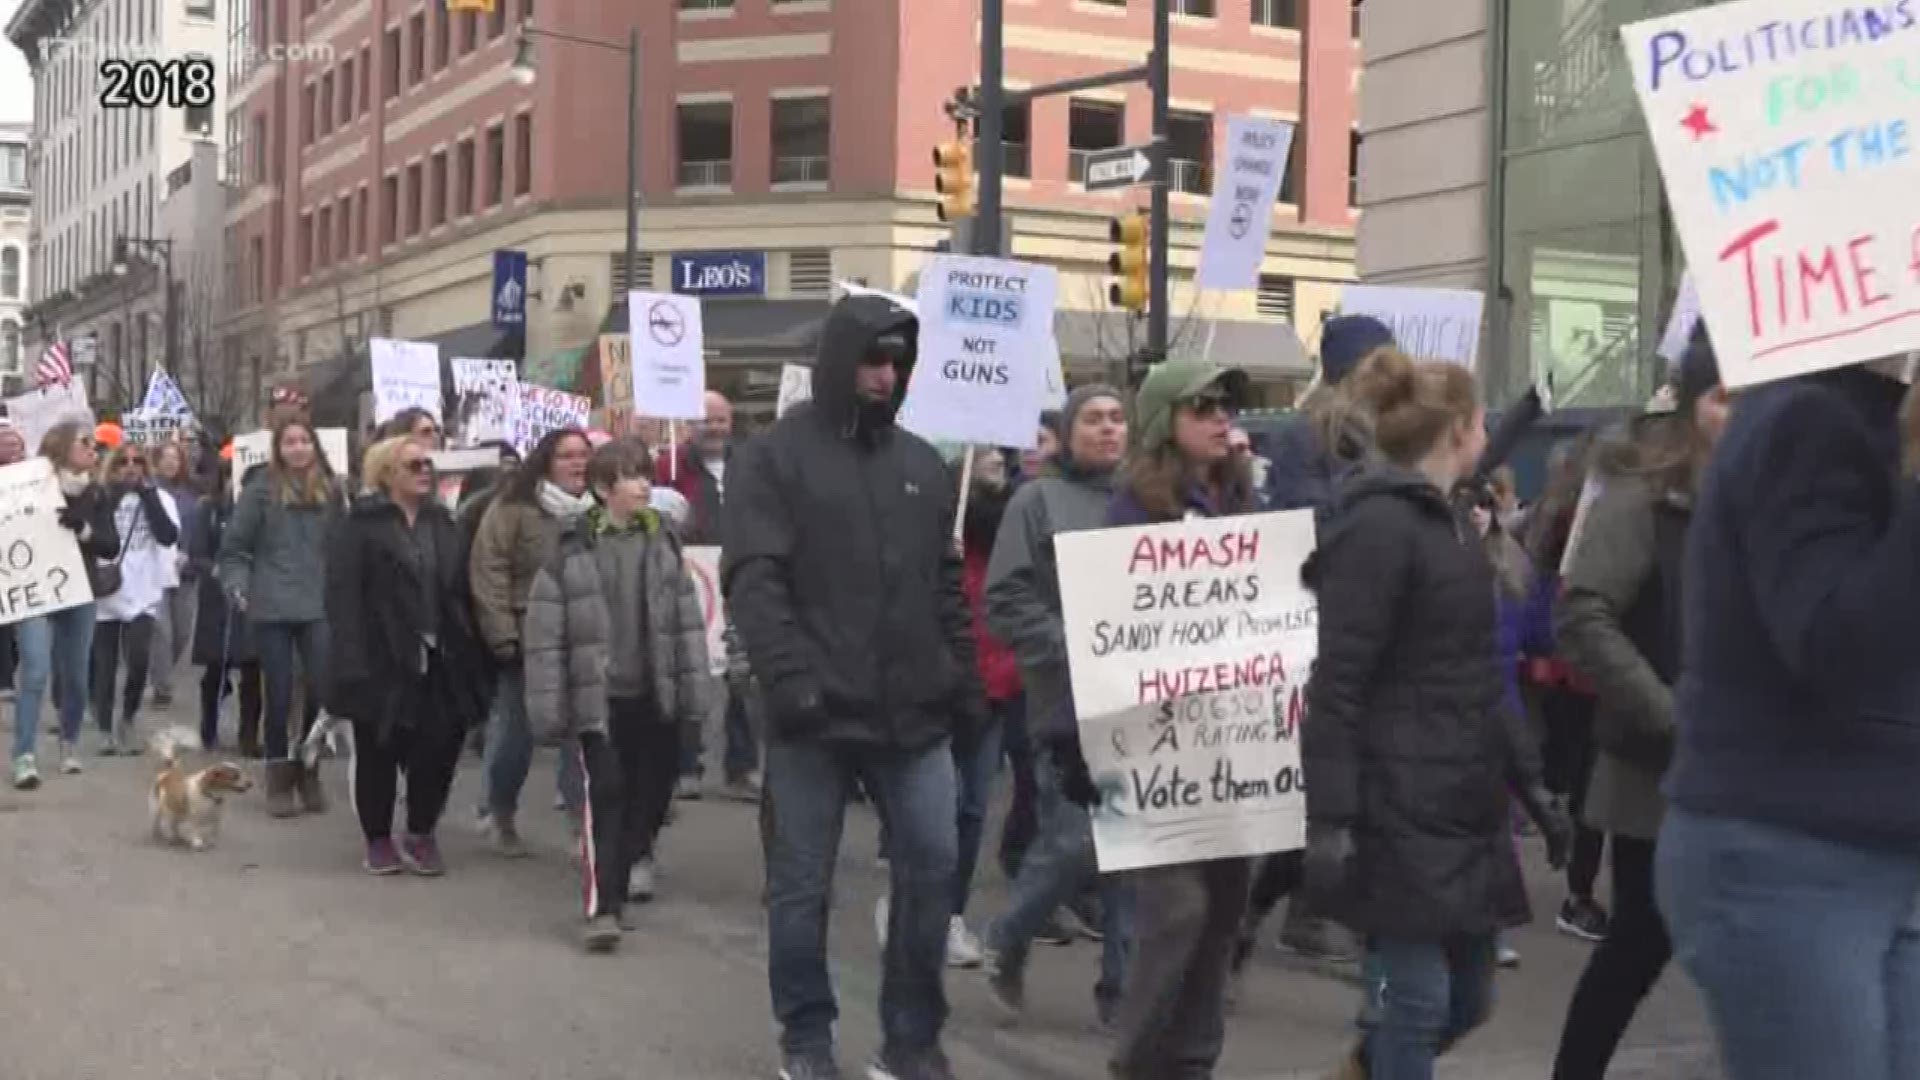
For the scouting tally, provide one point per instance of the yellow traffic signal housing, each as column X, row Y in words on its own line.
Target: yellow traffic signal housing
column 483, row 7
column 953, row 179
column 1130, row 264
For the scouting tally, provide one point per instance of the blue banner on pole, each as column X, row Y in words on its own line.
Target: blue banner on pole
column 509, row 290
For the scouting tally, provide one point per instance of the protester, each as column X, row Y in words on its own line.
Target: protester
column 62, row 641
column 1789, row 861
column 1171, row 1020
column 1412, row 747
column 1257, row 467
column 1046, row 445
column 13, row 450
column 517, row 535
column 223, row 643
column 149, row 528
column 406, row 658
column 13, row 446
column 416, row 423
column 173, row 622
column 616, row 657
column 273, row 563
column 1619, row 622
column 1022, row 593
column 846, row 587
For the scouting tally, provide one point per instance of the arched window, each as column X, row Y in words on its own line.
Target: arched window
column 10, row 272
column 10, row 346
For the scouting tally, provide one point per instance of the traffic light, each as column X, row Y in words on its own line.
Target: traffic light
column 953, row 179
column 483, row 7
column 1129, row 263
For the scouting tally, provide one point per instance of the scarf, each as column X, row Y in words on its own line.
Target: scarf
column 73, row 483
column 600, row 522
column 554, row 500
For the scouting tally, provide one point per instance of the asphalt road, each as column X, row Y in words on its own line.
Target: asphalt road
column 273, row 957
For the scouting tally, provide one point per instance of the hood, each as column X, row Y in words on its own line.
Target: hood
column 1063, row 429
column 1167, row 384
column 852, row 327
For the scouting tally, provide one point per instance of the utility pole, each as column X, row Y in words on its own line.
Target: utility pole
column 1159, row 68
column 992, row 156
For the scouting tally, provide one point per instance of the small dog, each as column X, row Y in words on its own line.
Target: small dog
column 186, row 806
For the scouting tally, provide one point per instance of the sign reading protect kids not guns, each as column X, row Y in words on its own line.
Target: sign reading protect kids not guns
column 1189, row 645
column 1786, row 132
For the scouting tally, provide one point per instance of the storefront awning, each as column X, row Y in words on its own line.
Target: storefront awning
column 749, row 331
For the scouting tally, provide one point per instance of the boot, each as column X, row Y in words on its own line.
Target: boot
column 312, row 793
column 283, row 779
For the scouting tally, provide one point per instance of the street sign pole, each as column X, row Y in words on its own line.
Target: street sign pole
column 1158, row 70
column 990, row 155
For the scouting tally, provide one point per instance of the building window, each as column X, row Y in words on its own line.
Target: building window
column 1189, row 152
column 810, row 272
column 469, row 31
column 437, row 190
column 1092, row 125
column 463, row 179
column 1353, row 167
column 417, row 49
column 1275, row 298
column 343, row 212
column 1356, row 20
column 309, row 105
column 10, row 273
column 497, row 20
column 413, row 200
column 391, row 48
column 706, row 5
column 1290, row 182
column 802, row 140
column 1200, row 8
column 496, row 164
column 13, row 166
column 1016, row 126
column 10, row 346
column 706, row 144
column 1283, row 14
column 323, row 237
column 325, row 123
column 366, row 78
column 442, row 36
column 389, row 209
column 360, row 221
column 306, row 245
column 260, row 148
column 523, row 154
column 346, row 93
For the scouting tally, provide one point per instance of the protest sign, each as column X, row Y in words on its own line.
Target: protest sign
column 538, row 410
column 669, row 366
column 483, row 396
column 1427, row 324
column 163, row 396
column 37, row 412
column 256, row 448
column 1784, row 131
column 796, row 386
column 986, row 336
column 41, row 568
column 450, row 469
column 616, row 381
column 1253, row 161
column 1189, row 645
column 703, row 563
column 152, row 429
column 406, row 375
column 1680, row 324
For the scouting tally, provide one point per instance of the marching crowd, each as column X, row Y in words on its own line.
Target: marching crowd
column 1685, row 657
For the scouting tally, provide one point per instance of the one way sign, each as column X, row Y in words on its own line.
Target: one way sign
column 1122, row 166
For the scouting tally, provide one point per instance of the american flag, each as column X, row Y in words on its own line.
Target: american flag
column 55, row 367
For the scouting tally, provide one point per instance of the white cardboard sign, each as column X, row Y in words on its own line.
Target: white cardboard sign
column 538, row 410
column 406, row 375
column 796, row 386
column 1785, row 134
column 1253, row 162
column 41, row 568
column 703, row 563
column 256, row 448
column 1189, row 645
column 986, row 335
column 37, row 412
column 669, row 362
column 1427, row 324
column 483, row 397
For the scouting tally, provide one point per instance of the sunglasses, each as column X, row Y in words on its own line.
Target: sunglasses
column 418, row 465
column 1209, row 406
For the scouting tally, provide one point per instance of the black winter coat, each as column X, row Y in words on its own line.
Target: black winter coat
column 378, row 614
column 840, row 570
column 1408, row 740
column 214, row 638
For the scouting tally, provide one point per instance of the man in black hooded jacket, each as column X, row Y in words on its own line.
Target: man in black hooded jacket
column 846, row 586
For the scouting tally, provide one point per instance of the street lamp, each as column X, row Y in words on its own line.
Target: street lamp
column 123, row 247
column 526, row 73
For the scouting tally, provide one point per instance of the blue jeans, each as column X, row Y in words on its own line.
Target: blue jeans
column 808, row 785
column 509, row 754
column 1056, row 868
column 742, row 755
column 976, row 761
column 1422, row 997
column 1807, row 950
column 278, row 643
column 61, row 642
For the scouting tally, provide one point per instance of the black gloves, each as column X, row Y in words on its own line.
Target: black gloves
column 1070, row 767
column 1327, row 865
column 1555, row 827
column 72, row 520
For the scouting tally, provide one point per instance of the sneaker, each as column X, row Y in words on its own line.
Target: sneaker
column 1507, row 956
column 688, row 789
column 810, row 1065
column 963, row 949
column 505, row 836
column 881, row 910
column 26, row 775
column 742, row 789
column 109, row 744
column 70, row 760
column 1006, row 988
column 641, row 881
column 628, row 919
column 383, row 860
column 1582, row 917
column 601, row 934
column 925, row 1065
column 422, row 856
column 559, row 802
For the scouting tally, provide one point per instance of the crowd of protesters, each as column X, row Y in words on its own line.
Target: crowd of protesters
column 1707, row 604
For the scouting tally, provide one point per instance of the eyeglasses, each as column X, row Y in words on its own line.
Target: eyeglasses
column 1209, row 406
column 417, row 465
